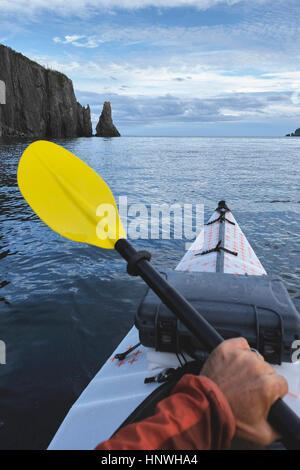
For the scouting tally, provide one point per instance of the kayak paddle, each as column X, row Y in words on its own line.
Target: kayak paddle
column 75, row 202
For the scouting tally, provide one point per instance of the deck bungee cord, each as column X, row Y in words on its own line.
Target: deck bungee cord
column 66, row 194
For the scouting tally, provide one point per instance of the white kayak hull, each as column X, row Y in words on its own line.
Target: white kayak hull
column 118, row 388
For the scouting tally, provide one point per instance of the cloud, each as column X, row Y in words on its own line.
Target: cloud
column 78, row 41
column 205, row 80
column 89, row 7
column 67, row 39
column 169, row 109
column 266, row 43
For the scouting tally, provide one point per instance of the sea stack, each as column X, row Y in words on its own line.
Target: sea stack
column 105, row 126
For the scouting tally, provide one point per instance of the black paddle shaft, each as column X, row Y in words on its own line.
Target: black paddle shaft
column 281, row 417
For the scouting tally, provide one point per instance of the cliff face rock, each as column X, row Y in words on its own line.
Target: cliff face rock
column 294, row 134
column 105, row 126
column 39, row 102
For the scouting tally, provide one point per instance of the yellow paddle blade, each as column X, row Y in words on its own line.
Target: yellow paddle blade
column 68, row 195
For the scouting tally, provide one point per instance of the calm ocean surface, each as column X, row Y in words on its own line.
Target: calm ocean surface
column 64, row 307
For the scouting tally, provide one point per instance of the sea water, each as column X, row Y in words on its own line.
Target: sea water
column 64, row 306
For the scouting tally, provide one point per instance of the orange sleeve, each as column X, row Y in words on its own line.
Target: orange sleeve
column 195, row 416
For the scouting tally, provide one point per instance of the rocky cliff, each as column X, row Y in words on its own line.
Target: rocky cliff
column 105, row 126
column 39, row 102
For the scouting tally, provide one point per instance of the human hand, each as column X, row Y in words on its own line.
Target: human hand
column 250, row 385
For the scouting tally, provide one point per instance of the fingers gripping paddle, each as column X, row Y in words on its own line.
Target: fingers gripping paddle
column 76, row 203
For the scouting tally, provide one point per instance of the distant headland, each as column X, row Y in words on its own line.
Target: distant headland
column 41, row 102
column 294, row 134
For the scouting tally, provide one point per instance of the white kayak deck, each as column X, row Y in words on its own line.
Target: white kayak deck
column 118, row 388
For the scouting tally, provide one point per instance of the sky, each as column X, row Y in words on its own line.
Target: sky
column 170, row 67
